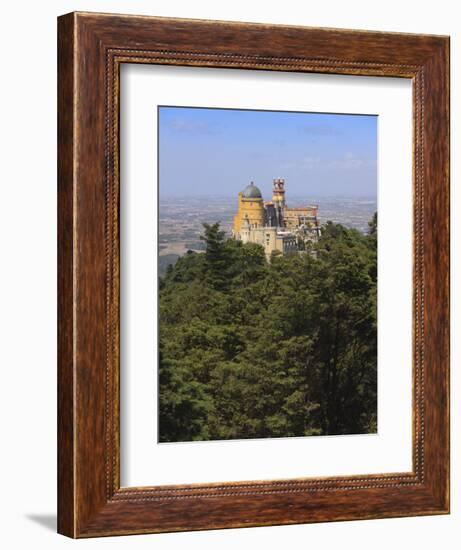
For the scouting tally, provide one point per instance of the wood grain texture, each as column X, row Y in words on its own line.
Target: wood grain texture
column 91, row 49
column 66, row 487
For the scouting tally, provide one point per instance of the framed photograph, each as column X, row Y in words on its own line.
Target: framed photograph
column 253, row 259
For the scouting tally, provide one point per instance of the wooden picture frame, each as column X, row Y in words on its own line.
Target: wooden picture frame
column 91, row 49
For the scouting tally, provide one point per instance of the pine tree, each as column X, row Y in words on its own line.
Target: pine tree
column 216, row 256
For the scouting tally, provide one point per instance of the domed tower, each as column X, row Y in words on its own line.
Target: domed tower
column 251, row 206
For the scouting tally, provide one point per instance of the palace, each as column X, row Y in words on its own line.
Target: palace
column 273, row 224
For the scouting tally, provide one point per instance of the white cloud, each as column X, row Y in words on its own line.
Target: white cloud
column 192, row 126
column 320, row 130
column 349, row 161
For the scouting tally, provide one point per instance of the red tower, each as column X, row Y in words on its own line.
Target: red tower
column 278, row 192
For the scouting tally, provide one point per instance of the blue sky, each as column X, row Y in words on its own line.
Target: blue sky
column 217, row 152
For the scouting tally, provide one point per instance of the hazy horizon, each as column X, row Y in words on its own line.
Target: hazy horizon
column 217, row 152
column 268, row 195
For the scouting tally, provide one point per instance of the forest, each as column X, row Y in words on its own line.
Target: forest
column 255, row 349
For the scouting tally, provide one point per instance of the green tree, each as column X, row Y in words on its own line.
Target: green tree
column 216, row 256
column 373, row 225
column 251, row 348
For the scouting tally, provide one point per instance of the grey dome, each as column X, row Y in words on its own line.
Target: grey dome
column 251, row 192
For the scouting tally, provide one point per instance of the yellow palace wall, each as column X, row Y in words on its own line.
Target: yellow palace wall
column 252, row 208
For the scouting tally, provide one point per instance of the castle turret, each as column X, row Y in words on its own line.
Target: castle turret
column 245, row 230
column 278, row 192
